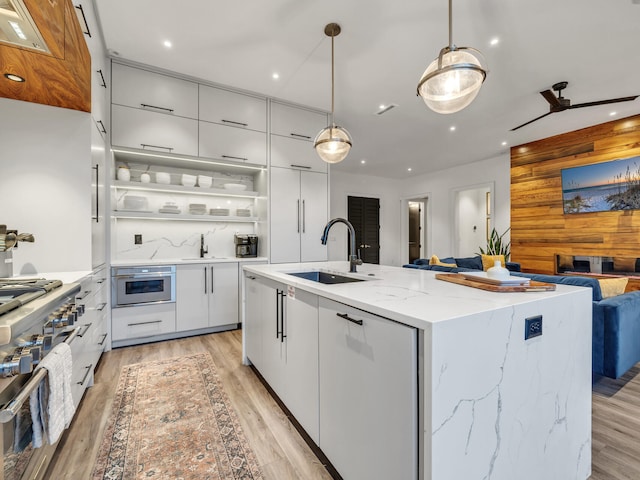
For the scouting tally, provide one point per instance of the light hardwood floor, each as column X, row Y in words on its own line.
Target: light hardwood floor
column 280, row 450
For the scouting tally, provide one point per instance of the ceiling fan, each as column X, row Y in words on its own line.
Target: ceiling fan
column 560, row 104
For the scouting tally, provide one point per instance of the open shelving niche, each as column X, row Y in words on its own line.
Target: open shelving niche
column 144, row 161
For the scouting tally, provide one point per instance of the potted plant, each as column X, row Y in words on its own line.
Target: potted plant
column 497, row 246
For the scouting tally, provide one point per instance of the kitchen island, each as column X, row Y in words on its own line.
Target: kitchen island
column 401, row 375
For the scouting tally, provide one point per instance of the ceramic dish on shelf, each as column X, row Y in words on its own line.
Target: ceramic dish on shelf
column 188, row 180
column 243, row 212
column 134, row 202
column 221, row 212
column 169, row 210
column 163, row 178
column 238, row 187
column 205, row 181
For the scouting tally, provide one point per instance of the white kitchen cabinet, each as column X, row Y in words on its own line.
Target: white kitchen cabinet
column 293, row 153
column 155, row 92
column 141, row 129
column 98, row 199
column 232, row 109
column 299, row 212
column 282, row 343
column 368, row 394
column 143, row 321
column 206, row 295
column 232, row 143
column 294, row 122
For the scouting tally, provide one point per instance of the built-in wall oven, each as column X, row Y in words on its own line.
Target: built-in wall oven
column 144, row 285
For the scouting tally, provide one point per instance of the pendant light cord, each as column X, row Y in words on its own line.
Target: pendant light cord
column 332, row 81
column 450, row 25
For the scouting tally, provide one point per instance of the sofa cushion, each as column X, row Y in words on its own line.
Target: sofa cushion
column 612, row 287
column 489, row 261
column 434, row 260
column 474, row 263
column 596, row 293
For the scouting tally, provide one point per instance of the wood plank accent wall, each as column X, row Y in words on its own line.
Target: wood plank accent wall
column 539, row 227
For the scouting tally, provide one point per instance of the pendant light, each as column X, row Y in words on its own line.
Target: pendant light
column 452, row 81
column 332, row 143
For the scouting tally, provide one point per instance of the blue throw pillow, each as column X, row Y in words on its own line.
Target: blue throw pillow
column 474, row 263
column 421, row 261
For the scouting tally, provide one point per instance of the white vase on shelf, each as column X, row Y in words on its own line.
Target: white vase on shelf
column 498, row 271
column 123, row 174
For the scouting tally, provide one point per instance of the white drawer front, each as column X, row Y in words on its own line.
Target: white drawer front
column 233, row 144
column 296, row 122
column 143, row 321
column 292, row 153
column 233, row 109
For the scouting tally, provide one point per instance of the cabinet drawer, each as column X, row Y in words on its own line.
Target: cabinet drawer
column 143, row 321
column 141, row 129
column 153, row 91
column 234, row 144
column 296, row 122
column 293, row 153
column 232, row 109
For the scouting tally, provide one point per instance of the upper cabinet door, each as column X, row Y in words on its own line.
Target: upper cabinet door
column 296, row 122
column 145, row 130
column 233, row 109
column 292, row 153
column 155, row 92
column 233, row 144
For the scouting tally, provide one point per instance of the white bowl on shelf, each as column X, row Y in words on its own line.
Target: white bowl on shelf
column 205, row 181
column 235, row 186
column 163, row 177
column 134, row 202
column 188, row 180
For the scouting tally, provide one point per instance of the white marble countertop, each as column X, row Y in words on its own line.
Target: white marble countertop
column 64, row 277
column 184, row 261
column 411, row 296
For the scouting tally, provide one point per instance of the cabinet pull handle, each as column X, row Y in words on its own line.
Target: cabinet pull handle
column 235, row 158
column 282, row 335
column 146, row 105
column 300, row 136
column 301, row 166
column 83, row 295
column 85, row 330
column 250, row 277
column 84, row 379
column 101, row 307
column 104, row 83
column 235, row 123
column 143, row 323
column 97, row 217
column 212, row 286
column 104, row 129
column 304, row 218
column 347, row 317
column 206, row 289
column 298, row 216
column 277, row 313
column 101, row 280
column 84, row 19
column 144, row 145
column 104, row 337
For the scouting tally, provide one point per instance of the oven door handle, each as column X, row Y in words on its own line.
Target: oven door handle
column 13, row 407
column 144, row 275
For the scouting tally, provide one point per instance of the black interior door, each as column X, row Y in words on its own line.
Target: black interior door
column 364, row 215
column 414, row 231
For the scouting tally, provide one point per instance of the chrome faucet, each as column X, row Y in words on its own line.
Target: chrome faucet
column 353, row 257
column 203, row 250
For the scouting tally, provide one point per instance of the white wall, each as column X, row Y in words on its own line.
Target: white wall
column 472, row 215
column 441, row 187
column 45, row 181
column 343, row 185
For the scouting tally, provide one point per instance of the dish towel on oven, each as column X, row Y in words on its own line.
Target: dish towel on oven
column 51, row 403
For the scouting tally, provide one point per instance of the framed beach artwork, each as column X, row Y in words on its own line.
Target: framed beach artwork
column 602, row 187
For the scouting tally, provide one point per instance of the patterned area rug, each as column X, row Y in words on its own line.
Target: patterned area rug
column 172, row 420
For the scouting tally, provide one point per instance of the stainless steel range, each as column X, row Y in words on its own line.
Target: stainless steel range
column 35, row 315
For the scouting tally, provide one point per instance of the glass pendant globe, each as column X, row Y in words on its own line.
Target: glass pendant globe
column 333, row 144
column 455, row 85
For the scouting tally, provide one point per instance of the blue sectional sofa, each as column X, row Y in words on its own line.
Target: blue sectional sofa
column 616, row 325
column 464, row 264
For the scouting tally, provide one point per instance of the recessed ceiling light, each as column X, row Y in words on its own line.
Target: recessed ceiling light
column 14, row 77
column 363, row 161
column 504, row 144
column 613, row 114
column 452, row 128
column 275, row 76
column 494, row 41
column 381, row 107
column 167, row 44
column 409, row 169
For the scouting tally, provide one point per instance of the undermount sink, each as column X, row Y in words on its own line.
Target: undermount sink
column 325, row 277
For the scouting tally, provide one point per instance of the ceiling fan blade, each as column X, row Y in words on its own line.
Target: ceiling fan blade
column 531, row 121
column 604, row 102
column 551, row 98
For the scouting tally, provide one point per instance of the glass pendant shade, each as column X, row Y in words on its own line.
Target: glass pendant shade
column 333, row 144
column 451, row 81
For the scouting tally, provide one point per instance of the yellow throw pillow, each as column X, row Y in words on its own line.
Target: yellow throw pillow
column 612, row 287
column 565, row 261
column 489, row 261
column 434, row 260
column 624, row 264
